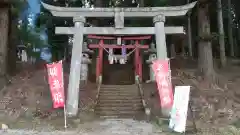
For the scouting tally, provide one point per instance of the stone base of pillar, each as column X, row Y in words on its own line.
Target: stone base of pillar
column 150, row 81
column 166, row 112
column 137, row 79
column 71, row 111
column 3, row 82
column 83, row 84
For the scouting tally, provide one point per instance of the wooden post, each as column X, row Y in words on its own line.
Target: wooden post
column 101, row 57
column 97, row 69
column 139, row 60
column 140, row 67
column 136, row 59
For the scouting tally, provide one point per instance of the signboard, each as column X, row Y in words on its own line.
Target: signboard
column 55, row 80
column 163, row 79
column 180, row 109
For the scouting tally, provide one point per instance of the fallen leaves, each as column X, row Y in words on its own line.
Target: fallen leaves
column 215, row 105
column 29, row 96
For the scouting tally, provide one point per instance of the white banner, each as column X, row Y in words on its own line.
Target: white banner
column 180, row 108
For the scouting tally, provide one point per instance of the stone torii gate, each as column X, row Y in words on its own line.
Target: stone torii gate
column 79, row 17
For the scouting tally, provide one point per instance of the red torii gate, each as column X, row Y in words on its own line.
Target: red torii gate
column 136, row 46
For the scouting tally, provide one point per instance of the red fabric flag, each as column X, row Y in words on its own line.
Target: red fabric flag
column 163, row 79
column 56, row 84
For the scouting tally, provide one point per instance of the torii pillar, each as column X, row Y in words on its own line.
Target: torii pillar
column 74, row 79
column 161, row 47
column 160, row 37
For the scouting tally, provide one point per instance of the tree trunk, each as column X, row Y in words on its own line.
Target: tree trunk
column 204, row 46
column 230, row 31
column 4, row 23
column 141, row 3
column 237, row 42
column 221, row 33
column 12, row 54
column 97, row 4
column 189, row 34
column 4, row 27
column 183, row 46
column 172, row 50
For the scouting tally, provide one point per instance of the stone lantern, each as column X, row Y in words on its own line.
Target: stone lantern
column 151, row 58
column 85, row 63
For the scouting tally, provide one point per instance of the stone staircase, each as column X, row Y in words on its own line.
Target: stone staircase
column 119, row 101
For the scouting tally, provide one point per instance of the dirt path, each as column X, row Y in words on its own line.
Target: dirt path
column 105, row 127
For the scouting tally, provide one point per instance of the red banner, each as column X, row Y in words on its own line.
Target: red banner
column 163, row 79
column 55, row 80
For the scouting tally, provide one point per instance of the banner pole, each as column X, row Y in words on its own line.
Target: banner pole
column 65, row 117
column 64, row 107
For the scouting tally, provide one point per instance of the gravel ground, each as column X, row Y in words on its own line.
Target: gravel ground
column 106, row 127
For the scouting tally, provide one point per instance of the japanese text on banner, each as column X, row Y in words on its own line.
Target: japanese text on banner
column 55, row 80
column 163, row 79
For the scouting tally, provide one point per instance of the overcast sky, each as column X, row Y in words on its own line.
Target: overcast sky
column 34, row 6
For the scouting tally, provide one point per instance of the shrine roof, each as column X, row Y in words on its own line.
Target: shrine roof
column 128, row 12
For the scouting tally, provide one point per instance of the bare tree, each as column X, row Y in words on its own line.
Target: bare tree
column 221, row 34
column 230, row 31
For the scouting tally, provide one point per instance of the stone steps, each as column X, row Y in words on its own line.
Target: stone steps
column 119, row 93
column 121, row 97
column 118, row 87
column 119, row 101
column 119, row 114
column 118, row 108
column 120, row 105
column 121, row 90
column 105, row 94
